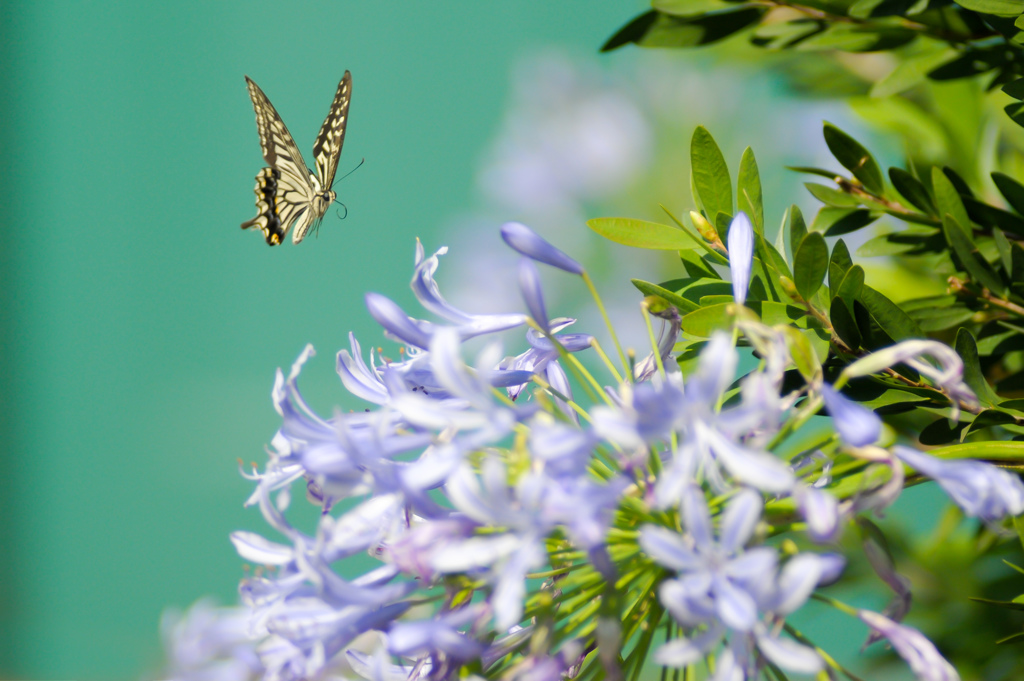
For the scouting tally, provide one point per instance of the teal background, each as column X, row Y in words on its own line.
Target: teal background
column 141, row 327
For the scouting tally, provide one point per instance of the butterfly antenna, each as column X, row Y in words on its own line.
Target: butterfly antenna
column 348, row 173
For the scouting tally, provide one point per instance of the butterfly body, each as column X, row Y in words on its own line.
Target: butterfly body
column 290, row 196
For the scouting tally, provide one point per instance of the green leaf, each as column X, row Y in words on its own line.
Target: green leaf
column 947, row 198
column 710, row 174
column 810, row 264
column 1015, row 88
column 885, row 244
column 1003, row 246
column 802, row 353
column 852, row 285
column 838, row 221
column 858, row 38
column 912, row 189
column 773, row 313
column 705, row 321
column 932, row 319
column 909, row 72
column 832, row 196
column 974, row 377
column 797, row 229
column 696, row 266
column 1006, row 8
column 649, row 289
column 855, row 158
column 748, row 190
column 632, row 32
column 820, row 172
column 838, row 264
column 889, row 316
column 689, row 8
column 642, row 234
column 1011, row 190
column 990, row 216
column 967, row 252
column 843, row 324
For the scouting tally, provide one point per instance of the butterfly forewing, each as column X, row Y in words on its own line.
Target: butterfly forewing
column 278, row 146
column 327, row 148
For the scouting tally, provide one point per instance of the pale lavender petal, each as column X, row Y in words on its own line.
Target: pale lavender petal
column 400, row 325
column 529, row 285
column 821, row 512
column 741, row 255
column 921, row 655
column 856, row 424
column 740, row 519
column 667, row 548
column 524, row 240
column 979, row 488
column 728, row 668
column 682, row 651
column 736, row 608
column 790, row 655
column 696, row 516
column 358, row 378
column 254, row 548
column 798, row 578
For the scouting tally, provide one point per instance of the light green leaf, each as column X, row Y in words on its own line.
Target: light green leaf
column 832, row 196
column 909, row 73
column 855, row 158
column 748, row 190
column 705, row 321
column 710, row 174
column 852, row 285
column 649, row 289
column 1004, row 8
column 797, row 229
column 810, row 265
column 642, row 234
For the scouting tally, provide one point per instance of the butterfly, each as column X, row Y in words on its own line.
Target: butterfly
column 288, row 194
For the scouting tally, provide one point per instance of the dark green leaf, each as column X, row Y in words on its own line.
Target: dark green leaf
column 967, row 253
column 1011, row 190
column 858, row 38
column 649, row 289
column 696, row 266
column 797, row 229
column 666, row 30
column 642, row 234
column 941, row 318
column 710, row 174
column 785, row 34
column 838, row 264
column 990, row 216
column 852, row 285
column 970, row 63
column 974, row 377
column 810, row 264
column 889, row 316
column 1016, row 112
column 843, row 324
column 689, row 8
column 1015, row 88
column 912, row 189
column 773, row 313
column 959, row 183
column 631, row 32
column 939, row 432
column 838, row 221
column 748, row 190
column 855, row 158
column 948, row 200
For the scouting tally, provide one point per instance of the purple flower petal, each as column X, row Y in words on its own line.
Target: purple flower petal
column 921, row 654
column 740, row 519
column 790, row 655
column 394, row 320
column 525, row 241
column 856, row 424
column 529, row 285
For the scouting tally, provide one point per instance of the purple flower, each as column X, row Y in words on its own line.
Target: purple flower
column 529, row 284
column 525, row 241
column 856, row 424
column 741, row 255
column 208, row 643
column 439, row 635
column 924, row 659
column 979, row 488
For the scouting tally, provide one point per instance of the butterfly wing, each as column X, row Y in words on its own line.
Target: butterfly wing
column 327, row 149
column 284, row 192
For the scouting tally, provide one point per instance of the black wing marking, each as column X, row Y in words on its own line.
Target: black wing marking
column 327, row 148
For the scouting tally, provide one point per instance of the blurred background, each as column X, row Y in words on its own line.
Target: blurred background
column 141, row 327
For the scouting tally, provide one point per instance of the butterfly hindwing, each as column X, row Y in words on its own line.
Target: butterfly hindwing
column 327, row 148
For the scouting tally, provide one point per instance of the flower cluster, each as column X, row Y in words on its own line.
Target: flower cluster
column 531, row 520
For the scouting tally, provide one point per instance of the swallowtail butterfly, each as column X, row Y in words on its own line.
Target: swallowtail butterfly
column 288, row 194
